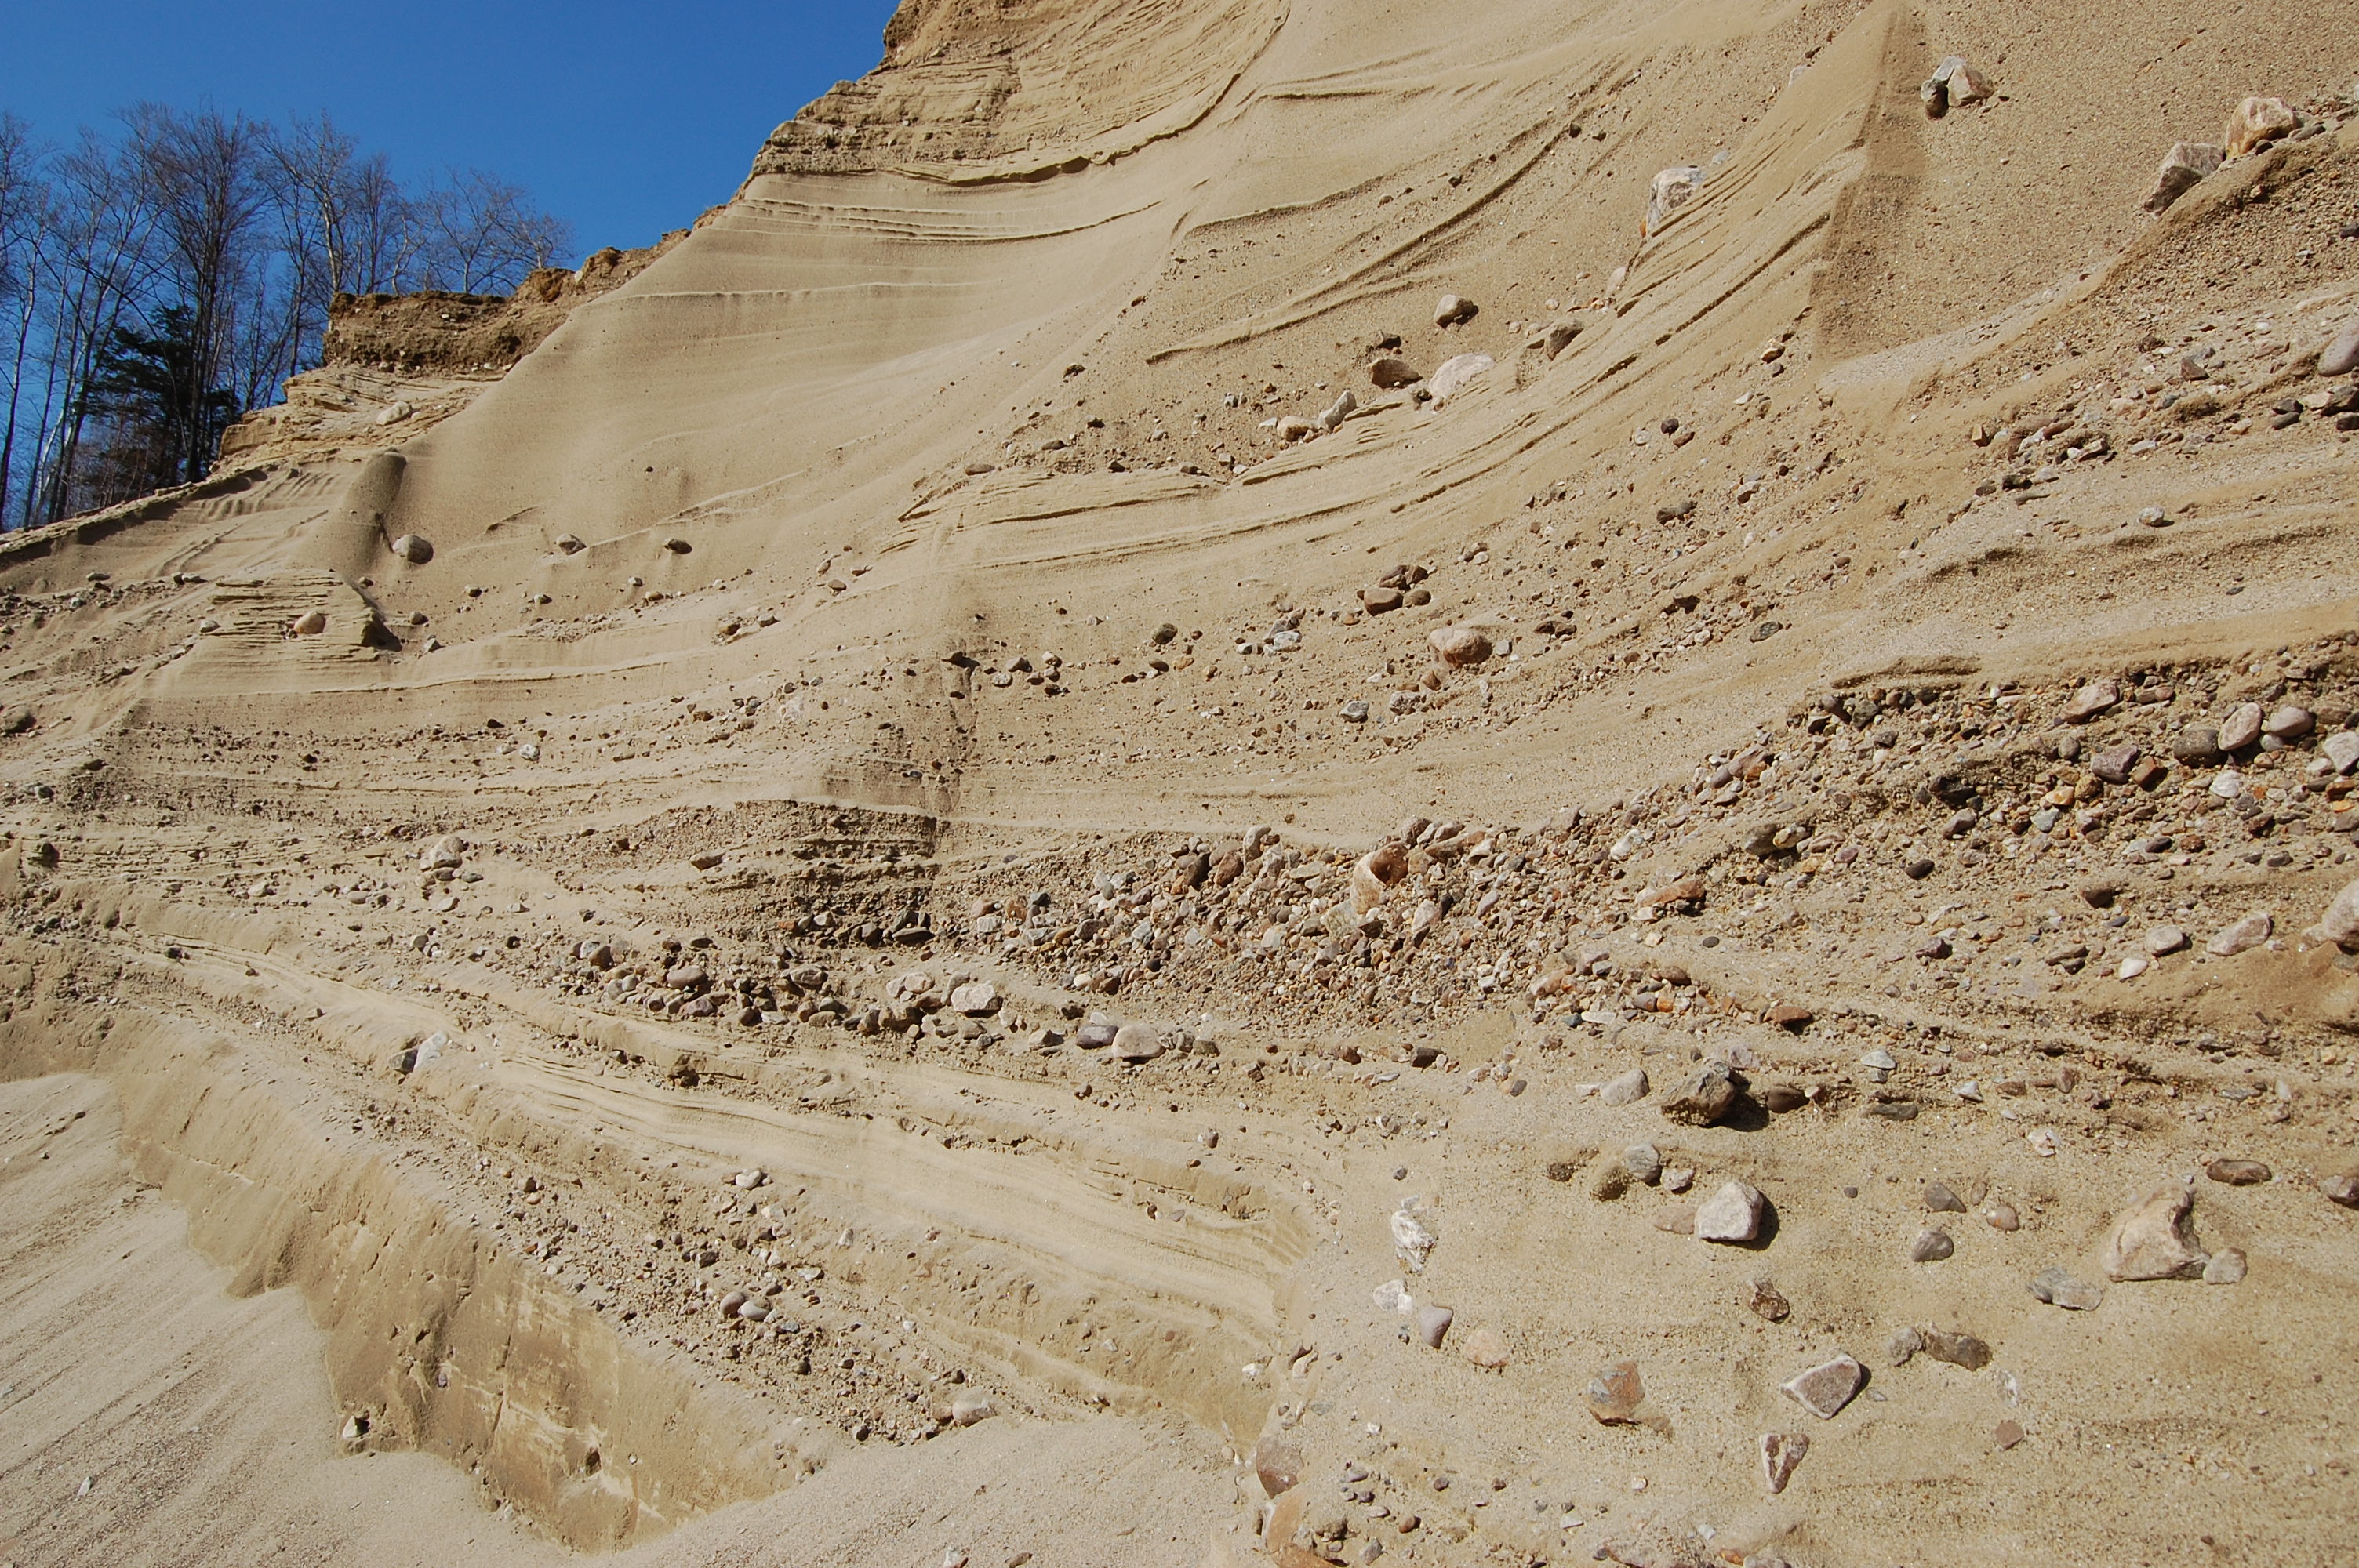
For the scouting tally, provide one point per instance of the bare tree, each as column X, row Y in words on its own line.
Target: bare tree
column 483, row 235
column 24, row 212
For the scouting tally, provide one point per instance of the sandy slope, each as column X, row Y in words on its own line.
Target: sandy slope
column 903, row 581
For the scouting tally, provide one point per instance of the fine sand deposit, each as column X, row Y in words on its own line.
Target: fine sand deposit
column 882, row 887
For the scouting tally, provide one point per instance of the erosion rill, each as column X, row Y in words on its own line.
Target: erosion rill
column 1520, row 784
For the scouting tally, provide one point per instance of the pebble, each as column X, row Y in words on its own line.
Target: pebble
column 975, row 999
column 2198, row 746
column 1931, row 1247
column 2342, row 354
column 2289, row 722
column 1642, row 1163
column 2342, row 749
column 1454, row 310
column 1767, row 1301
column 1278, row 1465
column 2241, row 937
column 1630, row 1087
column 1389, row 373
column 1461, row 647
column 2007, row 1434
column 2342, row 1190
column 2166, row 939
column 2238, row 1173
column 2340, row 923
column 1825, row 1389
column 1732, row 1214
column 1956, row 1349
column 1902, row 1347
column 2155, row 1238
column 1433, row 1325
column 2057, row 1288
column 1781, row 1452
column 1614, row 1395
column 2097, row 696
column 2001, row 1217
column 1941, row 1200
column 1706, row 1097
column 2241, row 728
column 1952, row 83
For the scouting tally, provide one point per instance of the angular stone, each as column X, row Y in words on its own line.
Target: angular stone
column 1781, row 1452
column 2256, row 121
column 2341, row 353
column 2238, row 1173
column 1767, row 1301
column 2114, row 763
column 1630, row 1087
column 2342, row 1190
column 2342, row 749
column 1931, row 1247
column 1614, row 1395
column 2241, row 728
column 1952, row 83
column 2155, row 1238
column 2198, row 746
column 2340, row 923
column 2242, row 937
column 1902, row 1346
column 2166, row 939
column 1278, row 1464
column 1732, row 1214
column 1958, row 1349
column 414, row 548
column 1389, row 373
column 2097, row 696
column 2057, row 1288
column 2184, row 167
column 1707, row 1096
column 1669, row 190
column 2226, row 1267
column 1432, row 1325
column 975, row 999
column 1941, row 1200
column 1454, row 310
column 1825, row 1389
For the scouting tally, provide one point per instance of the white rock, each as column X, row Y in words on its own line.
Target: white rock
column 1412, row 1240
column 1732, row 1214
column 2243, row 936
column 1669, row 190
column 1456, row 372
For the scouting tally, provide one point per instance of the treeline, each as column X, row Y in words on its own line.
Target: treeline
column 158, row 282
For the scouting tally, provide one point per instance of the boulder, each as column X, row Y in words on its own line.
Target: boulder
column 2155, row 1239
column 2184, row 167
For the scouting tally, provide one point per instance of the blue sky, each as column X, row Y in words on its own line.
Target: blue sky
column 625, row 119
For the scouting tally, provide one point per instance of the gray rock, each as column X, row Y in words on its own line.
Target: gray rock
column 1678, row 1178
column 1628, row 1088
column 414, row 548
column 1642, row 1163
column 1454, row 310
column 1931, row 1247
column 2241, row 937
column 2342, row 749
column 2198, row 746
column 2184, row 167
column 1902, row 1347
column 1825, row 1389
column 1732, row 1214
column 2098, row 697
column 1706, row 1097
column 2166, row 939
column 2058, row 1288
column 1669, row 190
column 1433, row 1325
column 1941, row 1200
column 2289, row 722
column 2340, row 923
column 2343, row 353
column 2241, row 728
column 2155, row 1239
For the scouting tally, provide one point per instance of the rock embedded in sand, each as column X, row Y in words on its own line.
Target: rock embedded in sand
column 1486, row 1350
column 2340, row 353
column 2184, row 167
column 2237, row 1173
column 1642, row 1163
column 2255, row 123
column 2198, row 745
column 2340, row 1191
column 1454, row 310
column 1941, row 1200
column 976, row 998
column 311, row 623
column 1614, row 1394
column 2165, row 940
column 1628, row 1088
column 16, row 720
column 2340, row 923
column 1709, row 1094
column 1456, row 374
column 414, row 548
column 1931, row 1247
column 1825, row 1389
column 1279, row 1465
column 1733, row 1214
column 2058, row 1288
column 2241, row 937
column 1389, row 373
column 2155, row 1239
column 1670, row 190
column 1952, row 83
column 1766, row 1300
column 2226, row 1267
column 1380, row 601
column 1432, row 1325
column 1957, row 1349
column 1459, row 648
column 1137, row 1043
column 1781, row 1452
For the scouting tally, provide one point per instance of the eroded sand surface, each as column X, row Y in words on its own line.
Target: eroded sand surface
column 902, row 904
